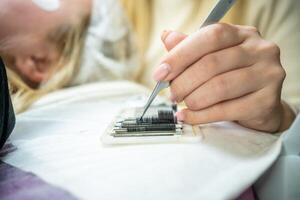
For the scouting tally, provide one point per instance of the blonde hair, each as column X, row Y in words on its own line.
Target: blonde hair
column 139, row 13
column 69, row 39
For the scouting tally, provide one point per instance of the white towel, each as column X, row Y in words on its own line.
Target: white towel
column 59, row 140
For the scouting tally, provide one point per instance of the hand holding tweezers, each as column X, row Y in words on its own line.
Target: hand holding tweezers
column 218, row 11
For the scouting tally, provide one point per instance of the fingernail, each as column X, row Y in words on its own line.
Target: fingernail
column 165, row 34
column 180, row 116
column 161, row 72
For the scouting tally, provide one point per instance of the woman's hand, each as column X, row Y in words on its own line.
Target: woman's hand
column 226, row 73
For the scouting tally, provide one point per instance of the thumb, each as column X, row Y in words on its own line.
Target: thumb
column 172, row 38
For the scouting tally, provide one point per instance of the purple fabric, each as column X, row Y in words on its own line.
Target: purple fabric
column 16, row 184
column 247, row 195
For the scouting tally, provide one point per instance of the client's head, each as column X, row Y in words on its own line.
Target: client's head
column 39, row 38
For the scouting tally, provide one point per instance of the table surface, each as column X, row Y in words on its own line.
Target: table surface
column 58, row 140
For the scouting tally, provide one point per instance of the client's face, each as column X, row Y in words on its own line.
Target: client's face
column 30, row 44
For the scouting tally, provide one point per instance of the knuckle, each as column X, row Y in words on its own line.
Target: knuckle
column 216, row 33
column 219, row 87
column 270, row 48
column 273, row 48
column 191, row 103
column 277, row 73
column 280, row 73
column 283, row 74
column 208, row 66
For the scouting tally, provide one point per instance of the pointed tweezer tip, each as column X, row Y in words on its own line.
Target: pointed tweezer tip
column 141, row 118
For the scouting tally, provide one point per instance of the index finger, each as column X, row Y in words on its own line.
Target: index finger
column 206, row 40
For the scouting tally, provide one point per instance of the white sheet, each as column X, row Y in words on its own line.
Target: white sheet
column 59, row 140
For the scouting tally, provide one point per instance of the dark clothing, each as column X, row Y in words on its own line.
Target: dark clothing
column 7, row 116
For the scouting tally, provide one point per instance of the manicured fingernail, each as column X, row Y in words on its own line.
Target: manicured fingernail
column 161, row 72
column 165, row 34
column 180, row 116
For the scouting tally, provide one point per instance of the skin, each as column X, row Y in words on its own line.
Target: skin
column 24, row 42
column 226, row 73
column 221, row 72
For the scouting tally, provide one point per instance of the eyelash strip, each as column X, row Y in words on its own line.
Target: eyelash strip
column 149, row 127
column 163, row 117
column 162, row 123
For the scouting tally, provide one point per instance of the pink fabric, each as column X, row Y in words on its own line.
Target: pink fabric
column 247, row 195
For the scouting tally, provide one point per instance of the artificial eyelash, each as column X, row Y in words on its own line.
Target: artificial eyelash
column 164, row 116
column 150, row 127
column 163, row 120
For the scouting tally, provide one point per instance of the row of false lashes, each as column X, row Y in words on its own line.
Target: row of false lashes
column 163, row 117
column 163, row 121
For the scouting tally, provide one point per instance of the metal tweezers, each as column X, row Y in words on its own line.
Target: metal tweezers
column 159, row 86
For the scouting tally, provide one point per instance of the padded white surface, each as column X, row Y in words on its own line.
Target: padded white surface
column 59, row 140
